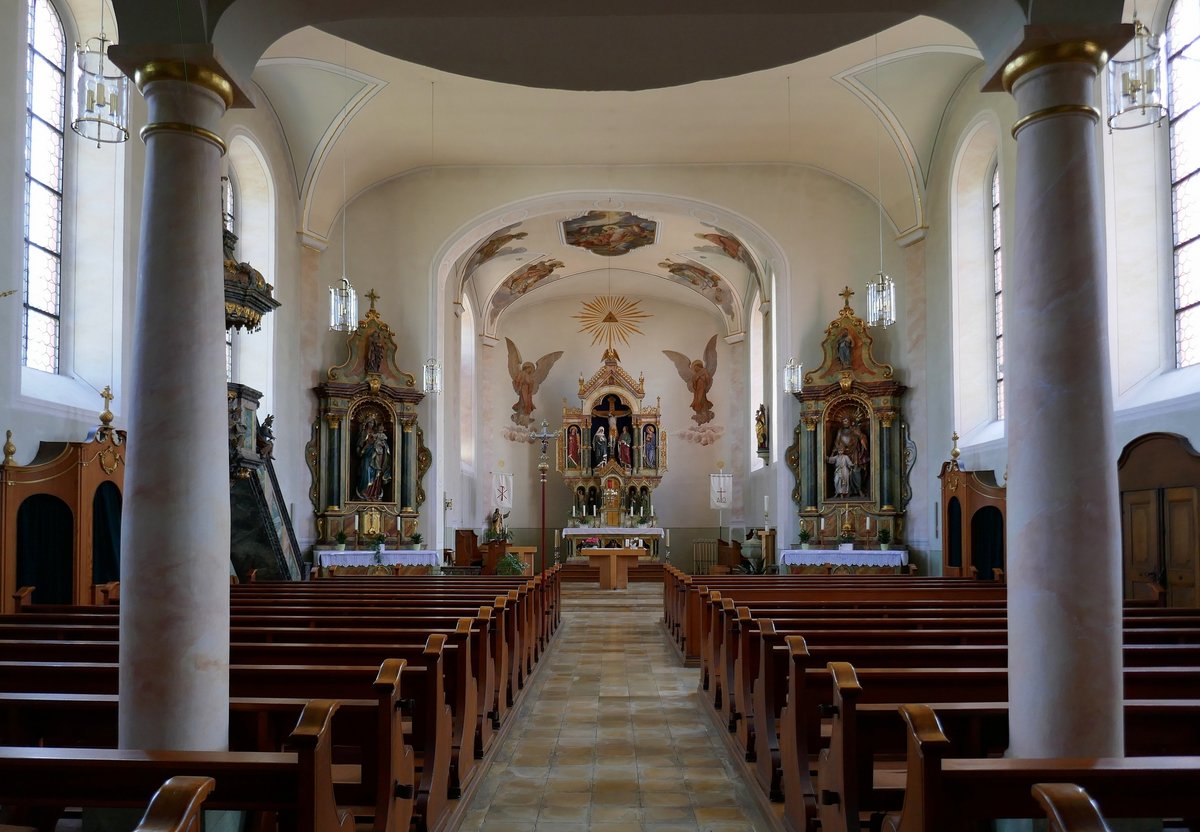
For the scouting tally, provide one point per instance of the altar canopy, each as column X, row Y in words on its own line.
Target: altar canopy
column 367, row 455
column 846, row 452
column 611, row 451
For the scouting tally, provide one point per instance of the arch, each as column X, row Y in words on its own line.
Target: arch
column 971, row 276
column 106, row 533
column 954, row 534
column 254, row 352
column 987, row 541
column 45, row 546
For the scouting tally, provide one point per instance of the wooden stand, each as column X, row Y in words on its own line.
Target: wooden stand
column 613, row 565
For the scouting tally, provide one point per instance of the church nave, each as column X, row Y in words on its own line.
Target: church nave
column 612, row 735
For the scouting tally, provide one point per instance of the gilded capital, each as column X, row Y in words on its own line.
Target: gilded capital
column 1079, row 51
column 173, row 69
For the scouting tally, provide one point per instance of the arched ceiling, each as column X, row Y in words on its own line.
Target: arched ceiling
column 354, row 117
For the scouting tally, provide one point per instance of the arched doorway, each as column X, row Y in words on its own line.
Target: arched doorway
column 106, row 534
column 44, row 545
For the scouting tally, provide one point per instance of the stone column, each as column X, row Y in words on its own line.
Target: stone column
column 174, row 676
column 1064, row 564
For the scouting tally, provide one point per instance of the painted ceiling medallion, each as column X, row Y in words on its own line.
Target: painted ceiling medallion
column 609, row 233
column 611, row 319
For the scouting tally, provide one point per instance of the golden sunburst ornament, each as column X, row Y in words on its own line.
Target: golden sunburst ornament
column 611, row 319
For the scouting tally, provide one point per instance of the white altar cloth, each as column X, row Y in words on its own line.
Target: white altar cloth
column 838, row 557
column 390, row 557
column 615, row 531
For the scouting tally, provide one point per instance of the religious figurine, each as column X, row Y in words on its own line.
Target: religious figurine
column 573, row 446
column 496, row 529
column 266, row 438
column 841, row 473
column 624, row 449
column 375, row 462
column 599, row 448
column 698, row 375
column 845, row 345
column 375, row 352
column 527, row 377
column 650, row 446
column 851, row 441
column 761, row 428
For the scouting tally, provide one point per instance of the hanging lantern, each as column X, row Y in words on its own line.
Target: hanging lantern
column 881, row 301
column 343, row 306
column 432, row 376
column 101, row 112
column 793, row 378
column 1136, row 82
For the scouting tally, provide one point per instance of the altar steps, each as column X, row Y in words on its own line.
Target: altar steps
column 643, row 572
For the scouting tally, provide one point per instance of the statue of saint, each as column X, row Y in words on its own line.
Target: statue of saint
column 374, row 462
column 599, row 448
column 851, row 441
column 845, row 347
column 573, row 446
column 650, row 446
column 624, row 449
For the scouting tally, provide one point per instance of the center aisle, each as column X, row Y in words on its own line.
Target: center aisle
column 612, row 736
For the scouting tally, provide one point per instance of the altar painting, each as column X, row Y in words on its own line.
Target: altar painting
column 373, row 471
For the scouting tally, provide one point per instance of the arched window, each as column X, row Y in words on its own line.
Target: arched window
column 45, row 117
column 228, row 227
column 998, row 291
column 1183, row 71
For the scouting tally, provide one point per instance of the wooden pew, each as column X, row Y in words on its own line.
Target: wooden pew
column 297, row 786
column 1069, row 808
column 948, row 794
column 382, row 790
column 176, row 806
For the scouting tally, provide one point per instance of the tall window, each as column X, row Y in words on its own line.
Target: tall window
column 1183, row 70
column 998, row 291
column 45, row 114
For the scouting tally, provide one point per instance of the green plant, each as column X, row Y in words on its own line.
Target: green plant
column 380, row 540
column 340, row 537
column 416, row 538
column 884, row 536
column 846, row 537
column 805, row 534
column 510, row 564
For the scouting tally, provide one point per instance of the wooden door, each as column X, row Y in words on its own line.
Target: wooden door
column 1181, row 544
column 1140, row 539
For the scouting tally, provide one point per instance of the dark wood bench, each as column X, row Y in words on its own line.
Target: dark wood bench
column 296, row 786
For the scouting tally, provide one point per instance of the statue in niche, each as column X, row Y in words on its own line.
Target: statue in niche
column 610, row 414
column 845, row 349
column 650, row 446
column 624, row 449
column 375, row 352
column 573, row 446
column 698, row 375
column 374, row 460
column 850, row 457
column 760, row 430
column 599, row 448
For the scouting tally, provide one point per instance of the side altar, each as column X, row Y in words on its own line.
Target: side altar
column 367, row 455
column 611, row 451
column 846, row 454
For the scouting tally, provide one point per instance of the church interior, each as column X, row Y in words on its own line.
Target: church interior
column 583, row 361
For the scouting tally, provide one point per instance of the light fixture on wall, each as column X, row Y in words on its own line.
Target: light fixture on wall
column 1136, row 81
column 881, row 292
column 101, row 92
column 343, row 300
column 432, row 377
column 793, row 377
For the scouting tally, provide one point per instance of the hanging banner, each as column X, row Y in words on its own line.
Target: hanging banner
column 720, row 491
column 502, row 490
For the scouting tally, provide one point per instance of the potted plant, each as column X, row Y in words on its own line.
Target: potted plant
column 416, row 539
column 846, row 541
column 339, row 541
column 805, row 537
column 510, row 564
column 380, row 542
column 885, row 538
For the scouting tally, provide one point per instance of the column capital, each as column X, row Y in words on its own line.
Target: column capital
column 196, row 64
column 1041, row 46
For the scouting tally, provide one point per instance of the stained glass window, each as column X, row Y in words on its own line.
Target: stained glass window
column 45, row 114
column 1183, row 72
column 228, row 226
column 998, row 291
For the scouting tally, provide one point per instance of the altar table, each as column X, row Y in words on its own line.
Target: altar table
column 839, row 557
column 390, row 557
column 575, row 536
column 613, row 564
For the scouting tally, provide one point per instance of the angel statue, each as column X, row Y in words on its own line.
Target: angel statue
column 527, row 377
column 698, row 375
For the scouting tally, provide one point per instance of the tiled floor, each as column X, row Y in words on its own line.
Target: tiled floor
column 612, row 736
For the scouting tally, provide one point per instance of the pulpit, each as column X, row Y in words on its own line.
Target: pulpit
column 613, row 565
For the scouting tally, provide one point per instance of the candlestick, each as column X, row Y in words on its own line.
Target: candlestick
column 667, row 537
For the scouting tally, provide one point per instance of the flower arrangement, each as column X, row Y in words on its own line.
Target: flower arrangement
column 591, row 542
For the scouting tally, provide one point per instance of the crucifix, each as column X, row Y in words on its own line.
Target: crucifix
column 106, row 416
column 544, row 436
column 614, row 410
column 371, row 296
column 845, row 294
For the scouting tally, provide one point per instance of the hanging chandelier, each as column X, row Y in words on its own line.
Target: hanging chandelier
column 1136, row 81
column 432, row 377
column 343, row 306
column 101, row 112
column 793, row 378
column 881, row 292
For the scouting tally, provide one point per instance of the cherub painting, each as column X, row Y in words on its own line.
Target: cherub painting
column 609, row 233
column 698, row 375
column 527, row 377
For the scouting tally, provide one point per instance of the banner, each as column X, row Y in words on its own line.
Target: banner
column 720, row 491
column 502, row 490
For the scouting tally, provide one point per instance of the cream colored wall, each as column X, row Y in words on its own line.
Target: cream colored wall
column 826, row 230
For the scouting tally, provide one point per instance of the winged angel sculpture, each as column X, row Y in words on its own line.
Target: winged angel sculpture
column 527, row 377
column 698, row 375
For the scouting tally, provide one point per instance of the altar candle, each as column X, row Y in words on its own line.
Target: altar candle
column 667, row 537
column 766, row 504
column 356, row 522
column 822, row 524
column 868, row 523
column 556, row 538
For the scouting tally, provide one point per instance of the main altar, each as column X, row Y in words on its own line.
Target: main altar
column 612, row 455
column 846, row 454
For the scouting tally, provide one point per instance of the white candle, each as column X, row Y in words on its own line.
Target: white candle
column 668, row 537
column 356, row 522
column 868, row 523
column 652, row 508
column 822, row 524
column 766, row 504
column 556, row 538
column 572, row 511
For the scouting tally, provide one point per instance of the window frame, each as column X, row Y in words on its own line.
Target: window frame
column 995, row 208
column 1173, row 53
